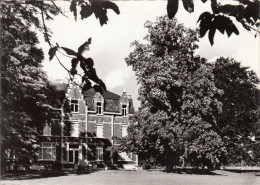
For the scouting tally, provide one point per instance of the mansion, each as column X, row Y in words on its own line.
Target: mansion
column 95, row 121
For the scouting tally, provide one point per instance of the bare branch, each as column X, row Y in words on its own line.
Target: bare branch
column 64, row 66
column 59, row 9
column 45, row 29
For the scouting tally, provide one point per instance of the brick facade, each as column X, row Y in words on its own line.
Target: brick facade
column 95, row 120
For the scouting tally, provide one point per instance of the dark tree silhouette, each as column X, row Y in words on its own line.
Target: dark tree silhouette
column 245, row 12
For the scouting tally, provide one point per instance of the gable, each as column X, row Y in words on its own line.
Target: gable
column 74, row 92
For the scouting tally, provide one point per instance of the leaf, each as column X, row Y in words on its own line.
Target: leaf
column 211, row 35
column 235, row 30
column 74, row 62
column 87, row 85
column 86, row 11
column 188, row 5
column 203, row 30
column 218, row 22
column 84, row 47
column 89, row 63
column 73, row 71
column 52, row 52
column 110, row 5
column 97, row 88
column 69, row 51
column 100, row 9
column 231, row 28
column 102, row 84
column 101, row 14
column 172, row 8
column 252, row 10
column 91, row 74
column 73, row 8
column 205, row 23
column 205, row 15
column 244, row 1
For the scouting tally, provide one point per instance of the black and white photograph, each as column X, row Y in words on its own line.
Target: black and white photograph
column 129, row 92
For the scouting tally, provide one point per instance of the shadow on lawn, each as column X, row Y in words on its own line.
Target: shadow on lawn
column 192, row 172
column 41, row 174
column 242, row 171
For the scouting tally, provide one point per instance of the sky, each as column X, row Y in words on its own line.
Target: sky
column 111, row 42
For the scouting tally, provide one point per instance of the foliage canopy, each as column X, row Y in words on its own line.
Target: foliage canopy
column 23, row 81
column 238, row 123
column 178, row 98
column 192, row 112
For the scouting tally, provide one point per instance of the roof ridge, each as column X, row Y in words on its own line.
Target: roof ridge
column 106, row 94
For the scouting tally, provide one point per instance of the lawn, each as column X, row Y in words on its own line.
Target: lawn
column 143, row 177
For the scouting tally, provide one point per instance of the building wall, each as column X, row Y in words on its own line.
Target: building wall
column 78, row 119
column 85, row 123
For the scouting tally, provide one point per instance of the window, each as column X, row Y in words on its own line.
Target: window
column 124, row 131
column 74, row 153
column 47, row 130
column 100, row 131
column 124, row 110
column 74, row 129
column 74, row 106
column 47, row 151
column 99, row 153
column 99, row 108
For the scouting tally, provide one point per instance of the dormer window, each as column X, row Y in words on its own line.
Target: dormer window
column 99, row 108
column 124, row 110
column 74, row 105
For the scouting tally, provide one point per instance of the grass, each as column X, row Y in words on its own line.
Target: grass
column 143, row 177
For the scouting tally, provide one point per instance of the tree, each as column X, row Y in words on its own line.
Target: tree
column 23, row 83
column 238, row 122
column 245, row 12
column 178, row 99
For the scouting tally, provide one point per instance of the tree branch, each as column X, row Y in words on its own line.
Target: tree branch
column 59, row 9
column 45, row 29
column 63, row 66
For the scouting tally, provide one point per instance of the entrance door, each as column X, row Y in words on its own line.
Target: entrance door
column 74, row 156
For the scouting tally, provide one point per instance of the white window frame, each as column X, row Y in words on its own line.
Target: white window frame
column 74, row 129
column 52, row 148
column 99, row 108
column 73, row 106
column 99, row 131
column 124, row 110
column 124, row 131
column 99, row 156
column 74, row 150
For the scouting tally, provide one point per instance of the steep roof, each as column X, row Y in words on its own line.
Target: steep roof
column 106, row 94
column 111, row 104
